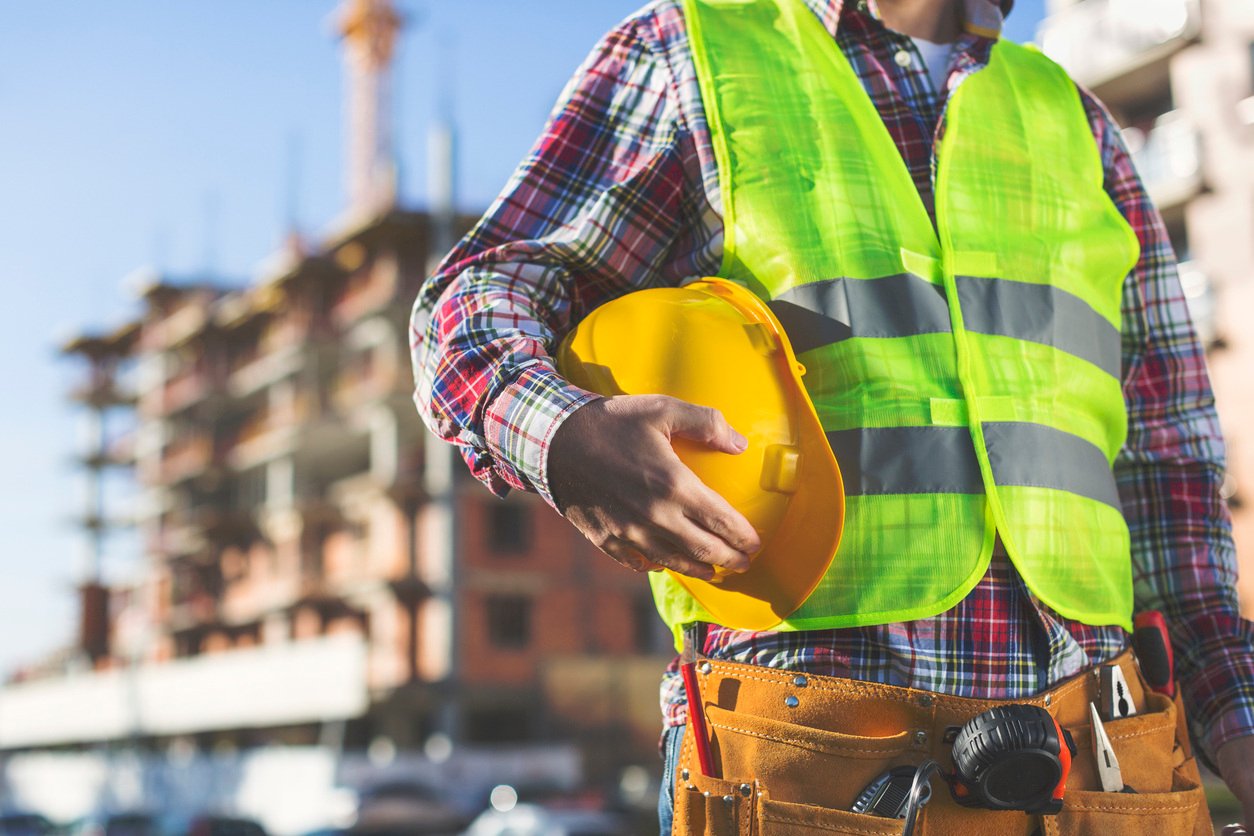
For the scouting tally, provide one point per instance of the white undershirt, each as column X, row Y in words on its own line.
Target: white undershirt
column 935, row 60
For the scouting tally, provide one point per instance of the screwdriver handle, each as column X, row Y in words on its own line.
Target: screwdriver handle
column 1153, row 651
column 696, row 717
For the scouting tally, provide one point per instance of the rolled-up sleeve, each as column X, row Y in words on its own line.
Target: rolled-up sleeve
column 1170, row 472
column 607, row 202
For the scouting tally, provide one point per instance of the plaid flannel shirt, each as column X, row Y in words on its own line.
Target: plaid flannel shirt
column 621, row 193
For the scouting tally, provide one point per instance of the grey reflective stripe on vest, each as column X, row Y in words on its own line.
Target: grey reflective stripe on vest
column 830, row 311
column 888, row 460
column 821, row 313
column 917, row 460
column 1035, row 455
column 1040, row 313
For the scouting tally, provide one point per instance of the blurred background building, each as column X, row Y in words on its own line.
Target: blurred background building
column 318, row 570
column 328, row 599
column 1178, row 75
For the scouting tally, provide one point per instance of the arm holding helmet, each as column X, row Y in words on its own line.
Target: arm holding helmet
column 576, row 227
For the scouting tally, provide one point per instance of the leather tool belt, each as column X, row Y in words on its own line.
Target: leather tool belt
column 790, row 753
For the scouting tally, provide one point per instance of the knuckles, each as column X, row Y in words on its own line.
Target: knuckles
column 702, row 553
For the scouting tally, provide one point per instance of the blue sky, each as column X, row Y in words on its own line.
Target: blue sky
column 140, row 132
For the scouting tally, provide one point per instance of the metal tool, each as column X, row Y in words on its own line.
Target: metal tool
column 920, row 794
column 1116, row 701
column 899, row 793
column 889, row 794
column 1108, row 772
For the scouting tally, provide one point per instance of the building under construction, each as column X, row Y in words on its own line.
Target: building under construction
column 1178, row 75
column 316, row 568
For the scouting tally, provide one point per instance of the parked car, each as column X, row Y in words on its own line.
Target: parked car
column 24, row 824
column 540, row 820
column 214, row 825
column 132, row 823
column 402, row 808
column 139, row 823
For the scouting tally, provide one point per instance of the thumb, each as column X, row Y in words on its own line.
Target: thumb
column 704, row 425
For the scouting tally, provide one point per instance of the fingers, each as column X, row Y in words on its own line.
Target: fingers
column 648, row 552
column 622, row 551
column 703, row 424
column 628, row 491
column 666, row 548
column 716, row 515
column 702, row 523
column 694, row 542
column 677, row 543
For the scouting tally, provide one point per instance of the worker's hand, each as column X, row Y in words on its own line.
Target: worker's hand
column 615, row 476
column 1235, row 760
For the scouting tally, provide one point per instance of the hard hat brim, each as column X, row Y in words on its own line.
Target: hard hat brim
column 790, row 565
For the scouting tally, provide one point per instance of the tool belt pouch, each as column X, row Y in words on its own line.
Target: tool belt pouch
column 1156, row 759
column 787, row 779
column 715, row 807
column 780, row 777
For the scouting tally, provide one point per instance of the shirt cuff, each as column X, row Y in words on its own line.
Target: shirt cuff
column 1233, row 723
column 520, row 422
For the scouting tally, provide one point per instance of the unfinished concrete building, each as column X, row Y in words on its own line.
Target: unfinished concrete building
column 316, row 568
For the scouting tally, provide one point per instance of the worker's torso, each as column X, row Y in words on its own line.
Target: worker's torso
column 967, row 374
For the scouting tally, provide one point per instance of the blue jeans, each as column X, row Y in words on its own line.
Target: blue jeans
column 672, row 738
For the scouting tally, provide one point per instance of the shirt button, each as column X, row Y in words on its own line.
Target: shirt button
column 902, row 58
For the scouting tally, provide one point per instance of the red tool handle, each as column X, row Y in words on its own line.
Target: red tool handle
column 696, row 716
column 1153, row 651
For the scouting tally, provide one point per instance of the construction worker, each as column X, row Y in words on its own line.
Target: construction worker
column 935, row 127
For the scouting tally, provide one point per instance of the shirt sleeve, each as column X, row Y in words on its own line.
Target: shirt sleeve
column 607, row 202
column 1171, row 469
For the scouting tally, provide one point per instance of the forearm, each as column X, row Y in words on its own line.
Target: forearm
column 1171, row 469
column 485, row 379
column 1170, row 473
column 1184, row 567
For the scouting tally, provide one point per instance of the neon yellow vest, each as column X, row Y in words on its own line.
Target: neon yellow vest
column 967, row 375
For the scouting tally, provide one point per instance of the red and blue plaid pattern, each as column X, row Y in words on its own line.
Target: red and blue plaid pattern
column 621, row 193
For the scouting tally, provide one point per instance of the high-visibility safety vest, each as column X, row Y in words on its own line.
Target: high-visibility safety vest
column 967, row 375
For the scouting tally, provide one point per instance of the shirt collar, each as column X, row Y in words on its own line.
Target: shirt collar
column 981, row 18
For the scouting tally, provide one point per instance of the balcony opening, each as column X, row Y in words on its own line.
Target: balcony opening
column 1138, row 115
column 509, row 528
column 500, row 725
column 509, row 621
column 247, row 491
column 649, row 631
column 187, row 645
column 1166, row 149
column 1250, row 75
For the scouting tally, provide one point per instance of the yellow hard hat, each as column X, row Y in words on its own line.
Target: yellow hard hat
column 716, row 344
